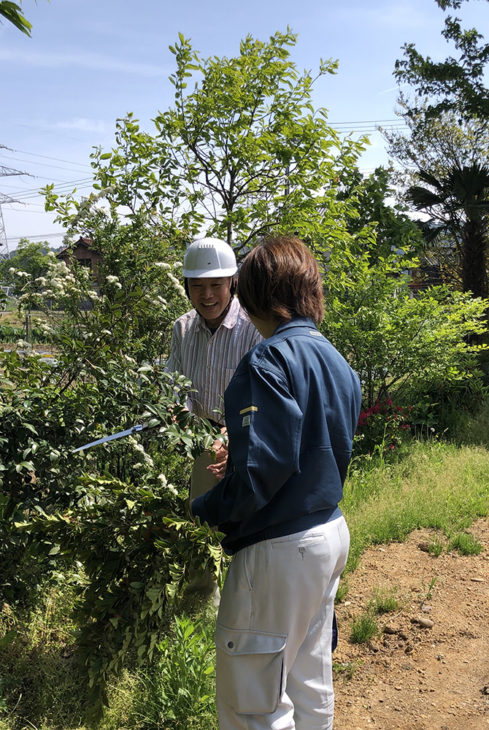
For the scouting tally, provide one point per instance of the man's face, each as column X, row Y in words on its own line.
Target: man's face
column 210, row 297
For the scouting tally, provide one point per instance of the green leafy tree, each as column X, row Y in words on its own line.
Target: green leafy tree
column 435, row 143
column 119, row 512
column 400, row 345
column 454, row 84
column 375, row 206
column 137, row 294
column 30, row 257
column 241, row 153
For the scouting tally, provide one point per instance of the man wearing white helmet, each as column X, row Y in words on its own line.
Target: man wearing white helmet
column 209, row 341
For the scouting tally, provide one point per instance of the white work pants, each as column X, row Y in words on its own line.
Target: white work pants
column 274, row 628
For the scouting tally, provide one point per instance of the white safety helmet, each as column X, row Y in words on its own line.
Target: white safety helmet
column 209, row 258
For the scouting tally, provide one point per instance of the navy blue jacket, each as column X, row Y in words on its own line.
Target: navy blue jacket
column 291, row 413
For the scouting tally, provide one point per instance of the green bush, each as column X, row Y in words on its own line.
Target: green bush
column 12, row 333
column 119, row 511
column 116, row 515
column 382, row 427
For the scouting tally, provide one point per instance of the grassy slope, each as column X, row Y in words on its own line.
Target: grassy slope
column 435, row 485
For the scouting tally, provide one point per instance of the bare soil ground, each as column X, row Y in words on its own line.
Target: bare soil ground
column 428, row 669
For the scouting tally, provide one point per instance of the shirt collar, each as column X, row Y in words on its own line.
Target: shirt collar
column 229, row 320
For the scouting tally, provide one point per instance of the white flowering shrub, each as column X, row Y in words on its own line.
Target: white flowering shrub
column 119, row 511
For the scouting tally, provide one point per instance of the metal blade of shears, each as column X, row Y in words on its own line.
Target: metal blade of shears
column 113, row 436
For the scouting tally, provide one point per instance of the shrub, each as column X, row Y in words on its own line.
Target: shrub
column 118, row 511
column 383, row 426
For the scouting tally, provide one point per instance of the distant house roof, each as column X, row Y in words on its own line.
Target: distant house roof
column 82, row 242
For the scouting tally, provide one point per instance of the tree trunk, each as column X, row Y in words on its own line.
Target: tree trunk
column 474, row 274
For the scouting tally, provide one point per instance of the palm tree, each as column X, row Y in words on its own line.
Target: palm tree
column 458, row 202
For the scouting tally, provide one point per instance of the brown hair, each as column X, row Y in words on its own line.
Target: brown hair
column 280, row 278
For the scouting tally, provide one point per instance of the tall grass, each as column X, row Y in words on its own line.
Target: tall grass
column 177, row 692
column 40, row 683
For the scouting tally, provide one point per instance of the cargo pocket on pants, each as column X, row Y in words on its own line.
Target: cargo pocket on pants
column 249, row 669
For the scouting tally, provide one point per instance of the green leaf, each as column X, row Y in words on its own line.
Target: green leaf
column 28, row 465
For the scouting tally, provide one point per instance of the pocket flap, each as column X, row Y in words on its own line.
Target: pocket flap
column 237, row 641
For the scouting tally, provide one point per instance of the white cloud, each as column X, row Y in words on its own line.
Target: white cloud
column 94, row 61
column 82, row 124
column 403, row 15
column 390, row 90
column 385, row 16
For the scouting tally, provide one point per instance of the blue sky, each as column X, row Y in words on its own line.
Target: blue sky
column 89, row 62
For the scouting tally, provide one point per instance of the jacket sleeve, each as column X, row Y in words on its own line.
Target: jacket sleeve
column 264, row 425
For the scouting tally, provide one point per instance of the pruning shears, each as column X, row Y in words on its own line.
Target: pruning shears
column 118, row 435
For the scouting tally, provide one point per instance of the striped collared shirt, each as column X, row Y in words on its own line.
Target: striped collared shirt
column 209, row 360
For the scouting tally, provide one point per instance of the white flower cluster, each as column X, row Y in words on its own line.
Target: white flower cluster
column 20, row 274
column 164, row 483
column 179, row 288
column 87, row 203
column 46, row 327
column 56, row 283
column 24, row 345
column 111, row 279
column 141, row 450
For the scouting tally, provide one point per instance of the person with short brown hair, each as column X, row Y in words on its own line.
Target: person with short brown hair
column 281, row 278
column 291, row 412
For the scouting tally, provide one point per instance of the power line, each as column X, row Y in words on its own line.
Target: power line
column 370, row 121
column 47, row 157
column 61, row 188
column 49, row 178
column 368, row 127
column 56, row 167
column 25, row 210
column 41, row 236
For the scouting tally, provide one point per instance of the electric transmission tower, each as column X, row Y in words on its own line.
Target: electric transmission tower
column 4, row 172
column 4, row 252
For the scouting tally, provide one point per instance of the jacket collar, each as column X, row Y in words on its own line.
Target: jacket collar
column 295, row 322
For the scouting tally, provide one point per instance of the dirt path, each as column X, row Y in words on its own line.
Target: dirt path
column 413, row 676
